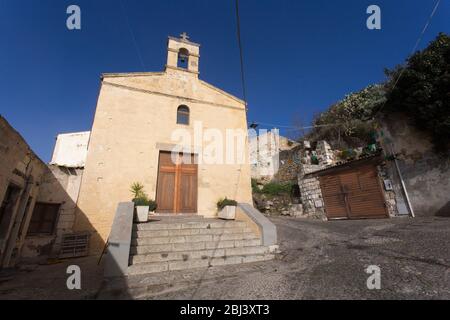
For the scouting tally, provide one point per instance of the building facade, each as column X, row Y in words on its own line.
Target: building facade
column 139, row 120
column 38, row 201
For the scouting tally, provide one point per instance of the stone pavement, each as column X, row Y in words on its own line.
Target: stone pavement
column 319, row 260
column 48, row 282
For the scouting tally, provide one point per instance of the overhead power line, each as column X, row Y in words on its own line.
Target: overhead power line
column 419, row 39
column 238, row 29
column 133, row 38
column 296, row 127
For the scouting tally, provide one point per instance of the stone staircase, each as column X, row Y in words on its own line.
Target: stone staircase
column 179, row 243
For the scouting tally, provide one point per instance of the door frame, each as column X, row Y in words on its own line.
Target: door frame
column 178, row 170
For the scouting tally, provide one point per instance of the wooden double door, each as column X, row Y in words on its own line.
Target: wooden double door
column 353, row 194
column 177, row 183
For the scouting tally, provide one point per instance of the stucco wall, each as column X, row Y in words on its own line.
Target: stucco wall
column 265, row 150
column 71, row 149
column 426, row 174
column 21, row 167
column 135, row 115
column 60, row 186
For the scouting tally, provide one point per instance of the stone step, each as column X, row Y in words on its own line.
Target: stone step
column 208, row 224
column 143, row 268
column 198, row 254
column 177, row 220
column 175, row 216
column 192, row 238
column 192, row 246
column 187, row 232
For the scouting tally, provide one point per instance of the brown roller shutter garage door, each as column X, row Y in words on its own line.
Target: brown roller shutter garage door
column 353, row 193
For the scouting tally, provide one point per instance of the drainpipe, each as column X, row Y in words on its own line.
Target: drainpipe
column 402, row 182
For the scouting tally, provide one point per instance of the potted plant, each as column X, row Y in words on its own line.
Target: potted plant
column 142, row 203
column 152, row 206
column 227, row 209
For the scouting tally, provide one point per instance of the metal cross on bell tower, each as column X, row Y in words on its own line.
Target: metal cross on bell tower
column 184, row 36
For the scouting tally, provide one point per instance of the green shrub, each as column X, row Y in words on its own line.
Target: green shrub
column 255, row 188
column 141, row 201
column 140, row 198
column 222, row 203
column 422, row 91
column 137, row 189
column 152, row 205
column 274, row 188
column 348, row 154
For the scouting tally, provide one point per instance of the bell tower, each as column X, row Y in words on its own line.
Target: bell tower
column 182, row 54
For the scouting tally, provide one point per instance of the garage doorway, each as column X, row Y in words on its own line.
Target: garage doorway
column 354, row 193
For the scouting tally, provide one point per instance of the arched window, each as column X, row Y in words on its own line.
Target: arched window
column 183, row 115
column 183, row 58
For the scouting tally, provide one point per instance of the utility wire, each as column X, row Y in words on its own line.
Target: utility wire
column 246, row 138
column 133, row 38
column 238, row 30
column 419, row 39
column 296, row 127
column 244, row 92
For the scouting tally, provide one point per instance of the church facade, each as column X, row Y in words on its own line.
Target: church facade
column 138, row 118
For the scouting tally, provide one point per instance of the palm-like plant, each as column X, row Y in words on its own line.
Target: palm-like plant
column 137, row 189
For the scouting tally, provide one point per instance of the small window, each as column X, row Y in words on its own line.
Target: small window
column 183, row 115
column 43, row 220
column 183, row 58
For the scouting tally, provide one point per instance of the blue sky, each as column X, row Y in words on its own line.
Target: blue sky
column 300, row 55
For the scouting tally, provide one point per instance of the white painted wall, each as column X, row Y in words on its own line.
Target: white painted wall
column 71, row 149
column 264, row 152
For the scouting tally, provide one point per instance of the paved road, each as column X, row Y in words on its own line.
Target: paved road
column 326, row 260
column 319, row 260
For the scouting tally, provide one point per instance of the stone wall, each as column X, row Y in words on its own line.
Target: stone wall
column 311, row 194
column 426, row 174
column 22, row 170
column 60, row 185
column 278, row 205
column 35, row 182
column 390, row 196
column 324, row 153
column 289, row 165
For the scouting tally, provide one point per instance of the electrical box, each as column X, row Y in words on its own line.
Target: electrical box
column 388, row 185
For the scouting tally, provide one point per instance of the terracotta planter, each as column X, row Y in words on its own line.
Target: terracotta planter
column 228, row 213
column 142, row 213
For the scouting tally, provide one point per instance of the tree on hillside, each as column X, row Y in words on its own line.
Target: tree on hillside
column 421, row 90
column 347, row 122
